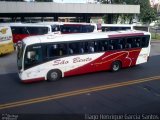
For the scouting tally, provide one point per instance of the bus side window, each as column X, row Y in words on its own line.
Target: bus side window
column 135, row 42
column 104, row 45
column 145, row 41
column 52, row 50
column 113, row 44
column 97, row 46
column 73, row 48
column 91, row 47
column 56, row 50
column 120, row 44
column 62, row 48
column 82, row 47
column 129, row 43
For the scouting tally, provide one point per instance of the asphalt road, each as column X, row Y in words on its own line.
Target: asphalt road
column 132, row 90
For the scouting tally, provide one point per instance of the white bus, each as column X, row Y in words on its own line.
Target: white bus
column 117, row 27
column 22, row 30
column 50, row 57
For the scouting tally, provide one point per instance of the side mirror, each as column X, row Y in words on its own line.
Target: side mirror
column 31, row 54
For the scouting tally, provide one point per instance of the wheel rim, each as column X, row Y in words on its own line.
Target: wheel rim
column 54, row 75
column 116, row 67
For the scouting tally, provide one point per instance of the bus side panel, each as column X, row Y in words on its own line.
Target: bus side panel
column 104, row 62
column 6, row 43
column 132, row 56
column 143, row 56
column 83, row 64
column 19, row 37
column 6, row 48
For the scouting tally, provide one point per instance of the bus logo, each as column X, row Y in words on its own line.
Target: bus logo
column 3, row 31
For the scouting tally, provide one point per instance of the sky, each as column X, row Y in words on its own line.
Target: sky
column 154, row 1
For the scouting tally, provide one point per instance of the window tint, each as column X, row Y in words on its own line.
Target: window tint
column 70, row 28
column 33, row 56
column 76, row 28
column 136, row 42
column 37, row 30
column 129, row 43
column 121, row 43
column 113, row 44
column 104, row 45
column 116, row 28
column 19, row 30
column 55, row 28
column 87, row 28
column 74, row 48
column 142, row 28
column 90, row 47
column 93, row 46
column 83, row 47
column 145, row 41
column 56, row 50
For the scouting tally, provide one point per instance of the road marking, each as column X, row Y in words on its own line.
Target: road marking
column 76, row 92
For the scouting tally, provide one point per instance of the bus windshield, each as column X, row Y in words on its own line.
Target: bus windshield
column 33, row 56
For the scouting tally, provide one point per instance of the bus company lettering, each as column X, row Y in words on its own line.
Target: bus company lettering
column 5, row 38
column 75, row 60
column 78, row 59
column 60, row 62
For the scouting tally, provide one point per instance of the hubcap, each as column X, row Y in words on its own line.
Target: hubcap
column 115, row 67
column 54, row 75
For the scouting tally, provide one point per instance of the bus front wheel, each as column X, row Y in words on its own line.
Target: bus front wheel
column 116, row 66
column 54, row 75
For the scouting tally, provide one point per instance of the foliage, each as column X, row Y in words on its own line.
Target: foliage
column 147, row 13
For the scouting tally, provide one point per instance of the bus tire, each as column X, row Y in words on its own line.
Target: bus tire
column 116, row 66
column 54, row 75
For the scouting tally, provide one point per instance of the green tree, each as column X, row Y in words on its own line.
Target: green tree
column 147, row 13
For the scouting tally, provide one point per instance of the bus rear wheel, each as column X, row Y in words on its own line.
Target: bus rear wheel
column 54, row 75
column 116, row 66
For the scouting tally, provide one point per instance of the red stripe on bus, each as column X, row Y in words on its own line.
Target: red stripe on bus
column 124, row 35
column 33, row 80
column 105, row 61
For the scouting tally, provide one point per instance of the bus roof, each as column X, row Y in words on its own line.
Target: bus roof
column 23, row 24
column 123, row 25
column 80, row 36
column 64, row 23
column 117, row 25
